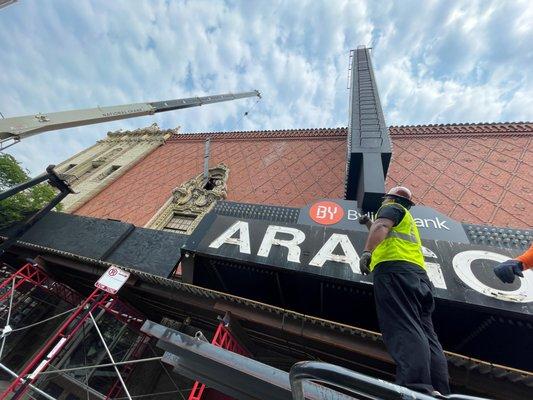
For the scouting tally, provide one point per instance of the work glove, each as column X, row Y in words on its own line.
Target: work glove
column 364, row 262
column 363, row 219
column 508, row 269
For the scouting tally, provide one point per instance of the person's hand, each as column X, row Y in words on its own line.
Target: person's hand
column 507, row 270
column 364, row 262
column 363, row 219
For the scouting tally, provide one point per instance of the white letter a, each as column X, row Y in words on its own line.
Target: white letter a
column 350, row 256
column 243, row 241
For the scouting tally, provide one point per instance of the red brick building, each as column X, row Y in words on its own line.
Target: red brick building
column 475, row 173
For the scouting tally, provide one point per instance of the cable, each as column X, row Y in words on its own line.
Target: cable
column 164, row 368
column 110, row 356
column 156, row 394
column 81, row 368
column 8, row 316
column 245, row 114
column 44, row 320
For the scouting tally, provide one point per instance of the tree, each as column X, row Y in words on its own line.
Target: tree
column 17, row 207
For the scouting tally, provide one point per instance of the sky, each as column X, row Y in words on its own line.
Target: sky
column 435, row 62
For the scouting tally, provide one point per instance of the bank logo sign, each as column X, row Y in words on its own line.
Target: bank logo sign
column 343, row 214
column 326, row 212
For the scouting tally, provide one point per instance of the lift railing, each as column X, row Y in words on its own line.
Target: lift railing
column 355, row 384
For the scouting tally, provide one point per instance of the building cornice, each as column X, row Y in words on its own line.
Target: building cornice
column 403, row 131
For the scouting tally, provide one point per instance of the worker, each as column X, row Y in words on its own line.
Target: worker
column 404, row 295
column 507, row 270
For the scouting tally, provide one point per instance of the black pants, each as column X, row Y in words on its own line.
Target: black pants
column 404, row 304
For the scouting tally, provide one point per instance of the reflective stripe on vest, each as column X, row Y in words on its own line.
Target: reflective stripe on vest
column 401, row 244
column 403, row 236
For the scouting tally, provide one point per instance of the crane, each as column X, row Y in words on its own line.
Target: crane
column 12, row 130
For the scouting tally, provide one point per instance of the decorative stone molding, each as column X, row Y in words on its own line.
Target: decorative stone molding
column 90, row 171
column 195, row 198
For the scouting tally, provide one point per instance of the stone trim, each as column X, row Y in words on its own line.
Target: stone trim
column 101, row 164
column 192, row 198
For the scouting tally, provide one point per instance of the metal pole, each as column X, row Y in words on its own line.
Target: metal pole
column 8, row 316
column 58, row 371
column 22, row 186
column 32, row 387
column 110, row 356
column 206, row 161
column 36, row 217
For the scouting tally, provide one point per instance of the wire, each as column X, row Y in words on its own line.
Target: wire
column 155, row 394
column 83, row 367
column 8, row 316
column 110, row 356
column 84, row 349
column 245, row 114
column 44, row 320
column 164, row 368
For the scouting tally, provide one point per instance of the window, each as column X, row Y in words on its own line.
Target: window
column 179, row 223
column 69, row 167
column 210, row 184
column 107, row 172
column 87, row 173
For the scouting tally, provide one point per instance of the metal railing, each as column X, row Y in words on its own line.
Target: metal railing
column 358, row 385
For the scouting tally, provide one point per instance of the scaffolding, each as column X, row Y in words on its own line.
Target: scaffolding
column 18, row 286
column 224, row 339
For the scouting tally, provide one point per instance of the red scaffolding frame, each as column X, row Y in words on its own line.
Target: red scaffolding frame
column 224, row 339
column 98, row 299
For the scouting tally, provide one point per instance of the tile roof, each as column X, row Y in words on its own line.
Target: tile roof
column 476, row 173
column 480, row 129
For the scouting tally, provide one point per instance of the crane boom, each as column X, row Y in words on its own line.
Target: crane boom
column 17, row 128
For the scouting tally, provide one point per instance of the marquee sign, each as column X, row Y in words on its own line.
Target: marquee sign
column 460, row 272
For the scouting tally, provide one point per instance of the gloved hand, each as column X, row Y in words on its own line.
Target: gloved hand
column 508, row 269
column 364, row 262
column 363, row 219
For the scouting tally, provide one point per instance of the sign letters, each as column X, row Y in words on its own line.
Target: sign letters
column 334, row 253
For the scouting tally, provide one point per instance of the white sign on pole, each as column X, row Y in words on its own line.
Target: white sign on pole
column 112, row 280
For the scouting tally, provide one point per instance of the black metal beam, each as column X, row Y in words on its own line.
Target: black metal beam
column 369, row 145
column 55, row 181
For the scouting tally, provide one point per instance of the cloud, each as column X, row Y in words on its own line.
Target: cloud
column 436, row 62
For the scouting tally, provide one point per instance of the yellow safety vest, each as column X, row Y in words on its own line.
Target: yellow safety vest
column 401, row 244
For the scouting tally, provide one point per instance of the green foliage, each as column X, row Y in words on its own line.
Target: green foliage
column 16, row 207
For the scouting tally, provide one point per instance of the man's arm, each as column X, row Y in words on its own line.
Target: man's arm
column 527, row 258
column 507, row 270
column 365, row 220
column 378, row 232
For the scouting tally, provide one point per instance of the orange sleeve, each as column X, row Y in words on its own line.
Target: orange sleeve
column 527, row 258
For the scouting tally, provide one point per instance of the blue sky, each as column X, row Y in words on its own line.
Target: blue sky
column 435, row 62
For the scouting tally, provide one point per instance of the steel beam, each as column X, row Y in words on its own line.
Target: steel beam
column 29, row 125
column 230, row 373
column 369, row 145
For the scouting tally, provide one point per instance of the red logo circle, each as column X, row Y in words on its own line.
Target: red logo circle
column 326, row 212
column 113, row 272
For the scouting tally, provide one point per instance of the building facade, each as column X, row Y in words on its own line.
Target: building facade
column 475, row 173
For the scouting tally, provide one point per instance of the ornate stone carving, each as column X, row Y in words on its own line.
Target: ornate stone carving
column 194, row 197
column 106, row 157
